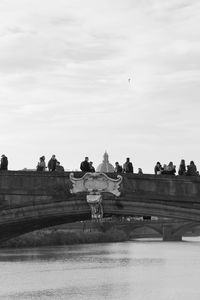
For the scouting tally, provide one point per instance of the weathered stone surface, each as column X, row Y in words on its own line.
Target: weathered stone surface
column 32, row 200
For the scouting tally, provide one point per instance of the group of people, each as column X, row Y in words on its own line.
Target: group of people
column 53, row 164
column 191, row 169
column 127, row 167
column 87, row 166
column 170, row 169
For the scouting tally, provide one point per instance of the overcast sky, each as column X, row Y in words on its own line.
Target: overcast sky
column 64, row 81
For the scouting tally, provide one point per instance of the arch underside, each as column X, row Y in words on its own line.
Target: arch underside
column 163, row 210
column 15, row 222
column 135, row 230
column 182, row 230
column 178, row 228
column 25, row 225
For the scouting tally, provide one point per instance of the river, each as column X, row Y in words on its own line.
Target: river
column 142, row 269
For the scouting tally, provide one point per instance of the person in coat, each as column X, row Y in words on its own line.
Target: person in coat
column 85, row 165
column 52, row 163
column 158, row 168
column 182, row 168
column 4, row 162
column 59, row 168
column 191, row 169
column 118, row 167
column 41, row 166
column 128, row 166
column 92, row 168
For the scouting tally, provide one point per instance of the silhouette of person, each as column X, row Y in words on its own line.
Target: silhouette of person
column 52, row 163
column 182, row 168
column 171, row 168
column 85, row 165
column 140, row 171
column 59, row 168
column 192, row 169
column 128, row 166
column 118, row 168
column 158, row 168
column 4, row 162
column 41, row 166
column 92, row 168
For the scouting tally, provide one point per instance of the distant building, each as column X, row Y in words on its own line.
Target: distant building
column 105, row 166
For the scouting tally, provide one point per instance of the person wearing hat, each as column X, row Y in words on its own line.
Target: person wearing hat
column 4, row 162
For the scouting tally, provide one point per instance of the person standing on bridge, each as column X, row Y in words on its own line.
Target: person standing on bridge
column 92, row 168
column 4, row 163
column 192, row 169
column 171, row 168
column 41, row 166
column 85, row 165
column 128, row 166
column 158, row 168
column 140, row 172
column 52, row 163
column 182, row 168
column 118, row 167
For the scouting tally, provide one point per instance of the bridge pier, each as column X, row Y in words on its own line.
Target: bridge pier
column 168, row 234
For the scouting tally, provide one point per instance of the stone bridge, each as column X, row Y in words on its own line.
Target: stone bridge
column 168, row 229
column 34, row 200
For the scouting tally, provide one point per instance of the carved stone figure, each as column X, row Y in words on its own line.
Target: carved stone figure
column 95, row 184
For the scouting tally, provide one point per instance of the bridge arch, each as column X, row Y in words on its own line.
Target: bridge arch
column 131, row 228
column 33, row 200
column 182, row 229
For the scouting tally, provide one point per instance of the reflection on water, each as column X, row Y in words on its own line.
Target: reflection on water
column 131, row 270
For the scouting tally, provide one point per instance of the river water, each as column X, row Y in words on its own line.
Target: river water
column 142, row 269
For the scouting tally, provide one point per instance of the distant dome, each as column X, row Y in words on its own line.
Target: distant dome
column 105, row 166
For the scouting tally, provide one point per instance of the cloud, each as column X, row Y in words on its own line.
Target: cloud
column 64, row 70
